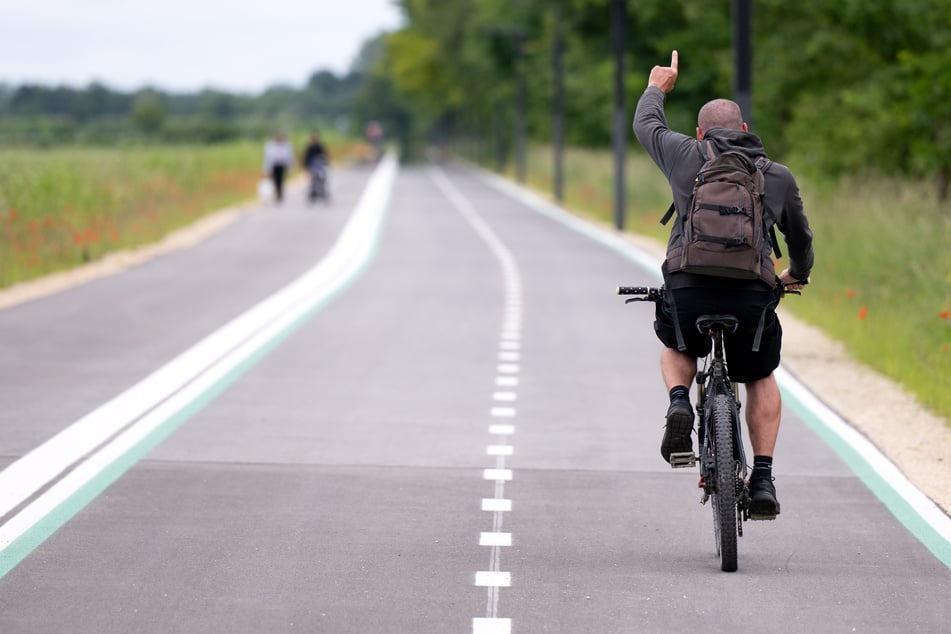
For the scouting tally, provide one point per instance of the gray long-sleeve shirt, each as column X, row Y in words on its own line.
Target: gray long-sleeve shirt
column 679, row 158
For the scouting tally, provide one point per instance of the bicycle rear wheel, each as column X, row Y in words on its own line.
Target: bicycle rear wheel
column 724, row 497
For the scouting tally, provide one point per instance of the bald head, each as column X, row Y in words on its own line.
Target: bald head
column 720, row 113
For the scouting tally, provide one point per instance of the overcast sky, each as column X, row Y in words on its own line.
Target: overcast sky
column 184, row 45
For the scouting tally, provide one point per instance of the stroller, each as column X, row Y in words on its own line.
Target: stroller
column 318, row 180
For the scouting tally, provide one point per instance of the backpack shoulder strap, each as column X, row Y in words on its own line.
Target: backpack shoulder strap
column 705, row 155
column 670, row 212
column 763, row 164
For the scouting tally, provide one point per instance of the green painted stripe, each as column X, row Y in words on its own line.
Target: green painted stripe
column 880, row 487
column 20, row 548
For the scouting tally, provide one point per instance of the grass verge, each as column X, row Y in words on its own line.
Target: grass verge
column 62, row 207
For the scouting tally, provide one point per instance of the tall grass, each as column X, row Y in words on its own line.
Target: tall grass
column 882, row 279
column 60, row 208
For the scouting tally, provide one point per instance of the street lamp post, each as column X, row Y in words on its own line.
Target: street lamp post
column 618, row 21
column 743, row 58
column 558, row 108
column 520, row 109
column 517, row 35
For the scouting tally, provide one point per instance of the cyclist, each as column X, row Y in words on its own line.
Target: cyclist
column 314, row 160
column 689, row 295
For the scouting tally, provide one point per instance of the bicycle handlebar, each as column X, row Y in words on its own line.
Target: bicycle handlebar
column 636, row 290
column 653, row 294
column 648, row 293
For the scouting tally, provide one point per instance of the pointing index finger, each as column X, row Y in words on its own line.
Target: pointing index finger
column 673, row 60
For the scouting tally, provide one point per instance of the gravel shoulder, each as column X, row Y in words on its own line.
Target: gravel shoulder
column 915, row 439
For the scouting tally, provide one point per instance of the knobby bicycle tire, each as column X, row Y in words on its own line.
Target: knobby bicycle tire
column 724, row 498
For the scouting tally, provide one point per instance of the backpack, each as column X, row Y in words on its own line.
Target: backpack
column 724, row 230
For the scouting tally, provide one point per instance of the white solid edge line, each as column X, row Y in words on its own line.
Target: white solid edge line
column 211, row 358
column 937, row 519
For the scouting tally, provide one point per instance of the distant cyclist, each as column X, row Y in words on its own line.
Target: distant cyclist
column 689, row 295
column 315, row 160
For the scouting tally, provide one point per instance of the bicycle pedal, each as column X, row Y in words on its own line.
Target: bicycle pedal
column 683, row 460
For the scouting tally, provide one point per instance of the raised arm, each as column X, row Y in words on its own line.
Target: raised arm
column 664, row 146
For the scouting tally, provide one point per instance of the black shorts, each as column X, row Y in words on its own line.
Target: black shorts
column 744, row 365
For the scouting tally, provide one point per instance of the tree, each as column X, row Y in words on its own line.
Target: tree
column 148, row 112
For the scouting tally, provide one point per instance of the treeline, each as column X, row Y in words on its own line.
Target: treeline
column 841, row 86
column 96, row 114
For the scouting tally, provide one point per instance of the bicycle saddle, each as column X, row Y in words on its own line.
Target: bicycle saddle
column 727, row 323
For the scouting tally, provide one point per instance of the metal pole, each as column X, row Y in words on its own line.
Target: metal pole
column 618, row 21
column 520, row 110
column 501, row 148
column 743, row 58
column 517, row 34
column 558, row 108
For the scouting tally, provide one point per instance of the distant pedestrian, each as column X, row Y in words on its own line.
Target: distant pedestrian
column 278, row 158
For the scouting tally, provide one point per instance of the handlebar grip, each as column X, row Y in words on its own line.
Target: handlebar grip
column 633, row 290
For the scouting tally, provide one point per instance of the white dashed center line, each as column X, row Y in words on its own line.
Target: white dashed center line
column 509, row 353
column 496, row 505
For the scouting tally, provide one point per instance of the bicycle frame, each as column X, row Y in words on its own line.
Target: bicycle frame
column 722, row 458
column 712, row 379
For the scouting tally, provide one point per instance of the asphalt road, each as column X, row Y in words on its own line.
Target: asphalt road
column 345, row 473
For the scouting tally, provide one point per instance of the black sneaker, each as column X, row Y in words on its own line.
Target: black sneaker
column 679, row 427
column 763, row 502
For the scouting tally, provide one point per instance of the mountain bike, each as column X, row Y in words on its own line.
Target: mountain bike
column 721, row 456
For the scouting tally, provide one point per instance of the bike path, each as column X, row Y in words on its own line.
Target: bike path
column 88, row 343
column 337, row 485
column 273, row 507
column 624, row 532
